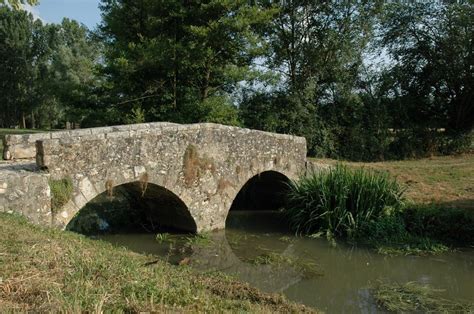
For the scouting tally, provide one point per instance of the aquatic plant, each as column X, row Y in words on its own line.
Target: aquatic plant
column 414, row 297
column 201, row 239
column 162, row 237
column 307, row 268
column 339, row 200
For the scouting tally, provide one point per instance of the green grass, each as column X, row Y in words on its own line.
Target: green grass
column 445, row 181
column 45, row 270
column 367, row 207
column 339, row 200
column 61, row 193
column 412, row 297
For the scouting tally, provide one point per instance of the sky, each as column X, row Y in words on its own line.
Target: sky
column 53, row 11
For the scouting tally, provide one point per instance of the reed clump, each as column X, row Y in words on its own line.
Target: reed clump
column 339, row 201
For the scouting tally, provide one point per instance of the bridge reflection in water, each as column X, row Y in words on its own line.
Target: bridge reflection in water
column 228, row 250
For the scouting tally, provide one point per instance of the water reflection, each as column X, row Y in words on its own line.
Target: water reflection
column 347, row 272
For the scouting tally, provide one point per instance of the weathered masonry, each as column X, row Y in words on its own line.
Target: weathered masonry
column 203, row 165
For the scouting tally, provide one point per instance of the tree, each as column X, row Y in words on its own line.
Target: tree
column 317, row 49
column 432, row 77
column 48, row 71
column 16, row 4
column 171, row 57
column 70, row 79
column 19, row 51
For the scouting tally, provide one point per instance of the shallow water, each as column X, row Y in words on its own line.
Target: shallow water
column 339, row 276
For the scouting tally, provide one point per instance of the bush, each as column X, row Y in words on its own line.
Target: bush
column 446, row 224
column 389, row 228
column 388, row 235
column 339, row 201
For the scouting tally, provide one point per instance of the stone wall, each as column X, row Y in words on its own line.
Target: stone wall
column 204, row 165
column 25, row 191
column 23, row 146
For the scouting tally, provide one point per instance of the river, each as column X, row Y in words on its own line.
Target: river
column 255, row 248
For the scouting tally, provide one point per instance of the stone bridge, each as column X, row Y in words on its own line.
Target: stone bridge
column 199, row 169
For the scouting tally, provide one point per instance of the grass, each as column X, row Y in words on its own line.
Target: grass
column 446, row 181
column 439, row 210
column 412, row 297
column 339, row 200
column 45, row 270
column 15, row 131
column 364, row 205
column 61, row 193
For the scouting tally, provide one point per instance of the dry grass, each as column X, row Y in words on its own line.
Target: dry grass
column 447, row 180
column 45, row 270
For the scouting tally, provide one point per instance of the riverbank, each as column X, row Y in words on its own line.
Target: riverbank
column 435, row 214
column 48, row 270
column 446, row 181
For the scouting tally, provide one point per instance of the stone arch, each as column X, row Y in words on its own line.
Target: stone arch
column 158, row 199
column 260, row 188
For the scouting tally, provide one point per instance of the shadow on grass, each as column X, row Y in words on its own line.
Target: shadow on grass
column 463, row 203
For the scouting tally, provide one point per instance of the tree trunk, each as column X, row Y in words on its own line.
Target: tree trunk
column 205, row 87
column 23, row 120
column 33, row 122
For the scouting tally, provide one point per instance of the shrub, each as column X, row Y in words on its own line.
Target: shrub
column 388, row 235
column 447, row 224
column 339, row 201
column 61, row 193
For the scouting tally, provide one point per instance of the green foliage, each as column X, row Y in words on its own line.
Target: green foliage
column 48, row 71
column 136, row 116
column 428, row 84
column 389, row 235
column 452, row 225
column 339, row 201
column 173, row 57
column 19, row 47
column 280, row 112
column 201, row 239
column 296, row 67
column 61, row 193
column 16, row 4
column 218, row 109
column 162, row 237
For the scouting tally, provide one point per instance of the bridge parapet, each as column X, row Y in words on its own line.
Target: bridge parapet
column 25, row 191
column 23, row 146
column 205, row 165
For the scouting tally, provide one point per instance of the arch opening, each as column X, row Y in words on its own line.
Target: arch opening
column 258, row 203
column 265, row 191
column 134, row 208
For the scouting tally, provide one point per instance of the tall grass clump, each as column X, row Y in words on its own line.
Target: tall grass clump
column 61, row 193
column 339, row 201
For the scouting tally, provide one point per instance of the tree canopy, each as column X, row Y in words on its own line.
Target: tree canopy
column 365, row 80
column 16, row 4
